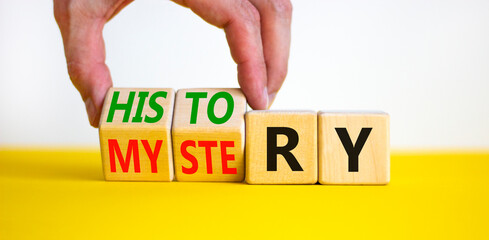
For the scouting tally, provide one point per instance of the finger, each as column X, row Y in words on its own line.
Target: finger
column 85, row 57
column 85, row 53
column 241, row 22
column 276, row 18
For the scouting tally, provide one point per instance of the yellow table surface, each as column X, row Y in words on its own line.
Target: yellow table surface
column 61, row 194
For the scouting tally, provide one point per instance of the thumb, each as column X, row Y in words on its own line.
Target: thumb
column 85, row 56
column 92, row 81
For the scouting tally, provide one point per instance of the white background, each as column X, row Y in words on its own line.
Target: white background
column 424, row 62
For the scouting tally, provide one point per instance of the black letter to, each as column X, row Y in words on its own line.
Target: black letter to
column 353, row 151
column 273, row 150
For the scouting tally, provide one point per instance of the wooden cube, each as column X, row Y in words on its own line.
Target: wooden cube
column 281, row 147
column 353, row 148
column 135, row 137
column 208, row 135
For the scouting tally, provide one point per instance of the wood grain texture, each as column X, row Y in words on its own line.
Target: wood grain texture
column 148, row 138
column 374, row 157
column 205, row 149
column 304, row 123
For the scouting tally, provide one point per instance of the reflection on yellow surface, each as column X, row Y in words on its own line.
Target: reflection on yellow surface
column 61, row 194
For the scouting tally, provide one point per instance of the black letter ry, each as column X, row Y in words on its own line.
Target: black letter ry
column 273, row 150
column 353, row 151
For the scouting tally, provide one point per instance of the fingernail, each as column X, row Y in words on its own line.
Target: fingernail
column 271, row 98
column 265, row 95
column 91, row 110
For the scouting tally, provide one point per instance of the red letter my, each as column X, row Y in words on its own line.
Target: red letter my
column 132, row 148
column 153, row 156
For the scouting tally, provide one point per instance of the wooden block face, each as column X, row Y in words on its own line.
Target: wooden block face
column 345, row 138
column 135, row 138
column 208, row 135
column 281, row 147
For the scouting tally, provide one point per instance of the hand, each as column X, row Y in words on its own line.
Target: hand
column 257, row 31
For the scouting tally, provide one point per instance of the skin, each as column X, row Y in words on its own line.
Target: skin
column 257, row 31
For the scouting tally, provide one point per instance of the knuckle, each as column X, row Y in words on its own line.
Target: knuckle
column 78, row 75
column 88, row 79
column 81, row 75
column 76, row 70
column 281, row 7
column 249, row 13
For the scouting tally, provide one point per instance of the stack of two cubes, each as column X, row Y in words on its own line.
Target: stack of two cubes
column 206, row 140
